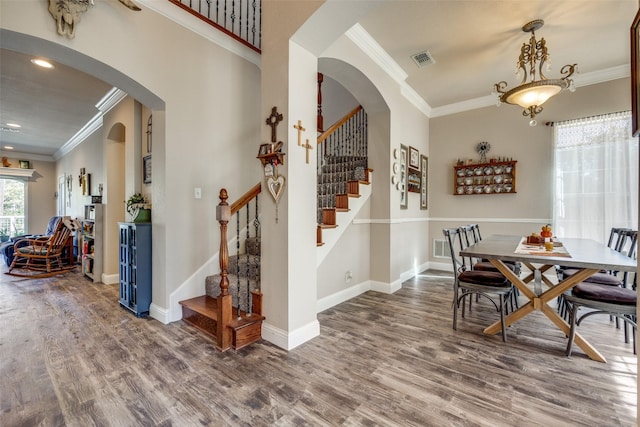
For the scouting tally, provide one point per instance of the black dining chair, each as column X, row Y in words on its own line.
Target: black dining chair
column 602, row 299
column 469, row 282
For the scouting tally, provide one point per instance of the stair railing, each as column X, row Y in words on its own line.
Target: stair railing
column 244, row 202
column 342, row 157
column 239, row 19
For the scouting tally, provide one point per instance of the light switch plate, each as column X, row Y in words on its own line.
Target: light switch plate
column 197, row 193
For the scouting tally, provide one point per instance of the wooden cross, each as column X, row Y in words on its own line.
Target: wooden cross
column 307, row 147
column 300, row 130
column 273, row 121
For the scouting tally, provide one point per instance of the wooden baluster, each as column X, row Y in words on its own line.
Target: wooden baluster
column 223, row 333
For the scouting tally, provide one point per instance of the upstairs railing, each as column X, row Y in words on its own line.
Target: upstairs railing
column 240, row 19
column 342, row 157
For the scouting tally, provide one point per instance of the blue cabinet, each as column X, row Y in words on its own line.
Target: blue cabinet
column 135, row 267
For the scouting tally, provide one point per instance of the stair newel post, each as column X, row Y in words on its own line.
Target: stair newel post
column 223, row 335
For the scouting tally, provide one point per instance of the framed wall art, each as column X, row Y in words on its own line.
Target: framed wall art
column 24, row 164
column 424, row 161
column 414, row 158
column 413, row 180
column 402, row 182
column 146, row 169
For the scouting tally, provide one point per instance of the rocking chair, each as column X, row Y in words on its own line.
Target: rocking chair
column 42, row 256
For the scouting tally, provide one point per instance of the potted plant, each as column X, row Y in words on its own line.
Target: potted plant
column 138, row 208
column 4, row 235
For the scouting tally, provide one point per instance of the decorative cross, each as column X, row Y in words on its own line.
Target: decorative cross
column 273, row 121
column 307, row 147
column 300, row 130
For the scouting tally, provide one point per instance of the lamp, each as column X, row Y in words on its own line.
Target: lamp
column 531, row 95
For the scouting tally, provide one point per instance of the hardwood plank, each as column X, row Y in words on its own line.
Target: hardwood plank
column 69, row 355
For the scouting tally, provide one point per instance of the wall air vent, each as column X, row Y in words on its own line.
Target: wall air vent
column 441, row 249
column 423, row 59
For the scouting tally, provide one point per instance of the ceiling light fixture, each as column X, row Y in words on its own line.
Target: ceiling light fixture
column 14, row 125
column 531, row 95
column 8, row 147
column 42, row 63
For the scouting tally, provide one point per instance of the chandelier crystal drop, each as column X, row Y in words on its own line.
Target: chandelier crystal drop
column 532, row 92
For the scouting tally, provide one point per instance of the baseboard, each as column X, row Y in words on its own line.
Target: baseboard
column 110, row 279
column 159, row 313
column 342, row 296
column 442, row 266
column 289, row 341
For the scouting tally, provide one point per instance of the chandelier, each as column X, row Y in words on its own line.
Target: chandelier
column 532, row 94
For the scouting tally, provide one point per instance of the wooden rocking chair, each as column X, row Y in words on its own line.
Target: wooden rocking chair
column 42, row 256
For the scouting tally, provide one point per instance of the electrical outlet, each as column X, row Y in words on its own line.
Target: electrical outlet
column 197, row 192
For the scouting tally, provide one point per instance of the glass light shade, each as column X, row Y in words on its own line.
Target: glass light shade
column 534, row 93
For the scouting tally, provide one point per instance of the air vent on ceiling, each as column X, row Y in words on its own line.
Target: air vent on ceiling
column 423, row 59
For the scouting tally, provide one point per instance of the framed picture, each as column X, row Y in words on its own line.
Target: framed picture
column 414, row 158
column 424, row 161
column 635, row 75
column 413, row 180
column 146, row 169
column 264, row 149
column 24, row 164
column 402, row 182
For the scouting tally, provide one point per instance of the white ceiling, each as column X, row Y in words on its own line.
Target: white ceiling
column 475, row 44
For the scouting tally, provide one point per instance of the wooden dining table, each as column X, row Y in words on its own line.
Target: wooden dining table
column 588, row 256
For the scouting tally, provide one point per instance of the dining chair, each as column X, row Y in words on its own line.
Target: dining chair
column 470, row 234
column 469, row 282
column 622, row 240
column 602, row 299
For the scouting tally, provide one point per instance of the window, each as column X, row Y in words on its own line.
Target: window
column 596, row 176
column 12, row 206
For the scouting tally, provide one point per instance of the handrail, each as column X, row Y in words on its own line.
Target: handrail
column 337, row 124
column 231, row 15
column 246, row 198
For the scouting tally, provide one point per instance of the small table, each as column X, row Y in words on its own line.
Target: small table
column 588, row 256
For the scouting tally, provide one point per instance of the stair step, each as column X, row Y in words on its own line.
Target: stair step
column 324, row 226
column 202, row 313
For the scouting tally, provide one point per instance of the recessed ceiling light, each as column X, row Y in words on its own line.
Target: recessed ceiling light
column 42, row 63
column 13, row 125
column 8, row 147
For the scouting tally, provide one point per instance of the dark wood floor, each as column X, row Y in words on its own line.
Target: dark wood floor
column 70, row 356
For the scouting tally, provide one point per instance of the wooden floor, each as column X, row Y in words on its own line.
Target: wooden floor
column 70, row 356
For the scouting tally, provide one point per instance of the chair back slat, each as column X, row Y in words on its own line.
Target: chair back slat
column 455, row 240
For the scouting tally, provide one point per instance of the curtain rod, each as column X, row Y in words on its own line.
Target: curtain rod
column 583, row 118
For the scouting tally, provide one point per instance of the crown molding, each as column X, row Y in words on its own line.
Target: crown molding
column 110, row 100
column 363, row 40
column 581, row 80
column 17, row 172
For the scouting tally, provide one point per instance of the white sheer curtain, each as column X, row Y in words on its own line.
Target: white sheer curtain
column 596, row 176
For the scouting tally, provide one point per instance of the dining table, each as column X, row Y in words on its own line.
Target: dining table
column 586, row 255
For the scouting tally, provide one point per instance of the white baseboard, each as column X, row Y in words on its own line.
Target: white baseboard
column 159, row 313
column 110, row 279
column 442, row 266
column 289, row 341
column 342, row 296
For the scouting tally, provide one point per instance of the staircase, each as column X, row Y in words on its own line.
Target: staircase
column 342, row 168
column 231, row 309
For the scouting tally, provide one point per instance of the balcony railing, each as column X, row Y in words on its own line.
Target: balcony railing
column 240, row 19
